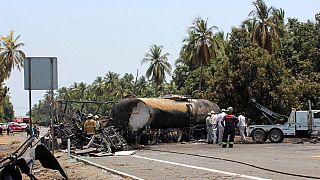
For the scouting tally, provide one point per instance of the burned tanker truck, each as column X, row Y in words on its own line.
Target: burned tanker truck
column 153, row 120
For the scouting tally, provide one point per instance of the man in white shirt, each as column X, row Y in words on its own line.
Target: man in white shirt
column 214, row 122
column 242, row 126
column 220, row 127
column 209, row 129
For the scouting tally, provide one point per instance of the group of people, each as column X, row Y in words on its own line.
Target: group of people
column 8, row 129
column 221, row 127
column 33, row 131
column 92, row 124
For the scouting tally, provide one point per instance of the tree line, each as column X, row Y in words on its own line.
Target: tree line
column 268, row 57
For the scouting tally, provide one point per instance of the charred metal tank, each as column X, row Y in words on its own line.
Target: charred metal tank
column 134, row 114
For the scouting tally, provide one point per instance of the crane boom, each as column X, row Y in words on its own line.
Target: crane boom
column 273, row 117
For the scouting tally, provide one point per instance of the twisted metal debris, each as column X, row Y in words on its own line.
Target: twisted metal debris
column 70, row 125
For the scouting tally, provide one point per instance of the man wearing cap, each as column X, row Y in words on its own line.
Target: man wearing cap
column 211, row 122
column 220, row 127
column 229, row 123
column 90, row 125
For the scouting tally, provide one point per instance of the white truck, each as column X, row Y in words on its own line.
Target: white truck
column 302, row 124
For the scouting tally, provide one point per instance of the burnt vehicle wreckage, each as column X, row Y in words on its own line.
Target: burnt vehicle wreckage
column 169, row 118
column 69, row 124
column 22, row 161
column 134, row 121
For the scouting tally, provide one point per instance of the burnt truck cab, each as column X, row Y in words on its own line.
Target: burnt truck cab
column 301, row 124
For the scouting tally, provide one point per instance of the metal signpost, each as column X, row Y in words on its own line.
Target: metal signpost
column 41, row 73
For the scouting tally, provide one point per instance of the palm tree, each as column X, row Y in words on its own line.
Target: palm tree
column 201, row 46
column 63, row 93
column 249, row 25
column 98, row 87
column 128, row 80
column 112, row 82
column 267, row 29
column 78, row 91
column 73, row 90
column 81, row 91
column 159, row 65
column 11, row 55
column 2, row 67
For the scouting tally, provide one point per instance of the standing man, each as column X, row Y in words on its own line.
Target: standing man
column 96, row 118
column 8, row 129
column 220, row 127
column 229, row 123
column 90, row 125
column 35, row 131
column 214, row 122
column 28, row 130
column 209, row 129
column 242, row 127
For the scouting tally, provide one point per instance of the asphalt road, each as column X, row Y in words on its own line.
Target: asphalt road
column 206, row 161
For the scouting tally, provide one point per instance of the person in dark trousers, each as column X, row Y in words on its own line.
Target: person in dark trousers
column 8, row 130
column 35, row 131
column 38, row 131
column 230, row 123
column 28, row 130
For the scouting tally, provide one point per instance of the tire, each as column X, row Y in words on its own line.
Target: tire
column 259, row 136
column 276, row 136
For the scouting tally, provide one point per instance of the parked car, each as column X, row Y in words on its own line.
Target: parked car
column 23, row 125
column 17, row 127
column 4, row 126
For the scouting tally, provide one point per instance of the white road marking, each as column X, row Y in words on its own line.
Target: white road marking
column 123, row 174
column 201, row 168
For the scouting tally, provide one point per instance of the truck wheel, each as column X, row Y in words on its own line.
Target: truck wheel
column 259, row 136
column 276, row 136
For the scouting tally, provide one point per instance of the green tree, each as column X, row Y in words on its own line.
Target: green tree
column 3, row 95
column 82, row 91
column 112, row 86
column 300, row 52
column 159, row 65
column 248, row 72
column 266, row 29
column 98, row 88
column 8, row 109
column 11, row 55
column 3, row 92
column 200, row 47
column 63, row 93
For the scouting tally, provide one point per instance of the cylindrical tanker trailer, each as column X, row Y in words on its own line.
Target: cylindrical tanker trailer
column 139, row 115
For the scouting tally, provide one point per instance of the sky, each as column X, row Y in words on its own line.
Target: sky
column 91, row 37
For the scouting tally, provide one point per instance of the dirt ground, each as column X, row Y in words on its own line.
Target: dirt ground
column 73, row 169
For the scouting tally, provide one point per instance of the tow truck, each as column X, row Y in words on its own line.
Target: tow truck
column 300, row 124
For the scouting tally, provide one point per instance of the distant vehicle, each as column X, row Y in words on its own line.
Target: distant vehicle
column 17, row 127
column 4, row 126
column 22, row 120
column 23, row 125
